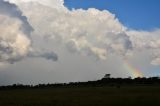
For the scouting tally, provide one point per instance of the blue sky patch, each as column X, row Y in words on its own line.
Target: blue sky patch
column 135, row 14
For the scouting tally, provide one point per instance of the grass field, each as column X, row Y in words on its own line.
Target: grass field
column 82, row 96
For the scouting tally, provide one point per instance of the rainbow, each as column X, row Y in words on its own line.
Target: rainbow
column 132, row 70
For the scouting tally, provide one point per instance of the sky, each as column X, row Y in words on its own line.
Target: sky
column 78, row 40
column 136, row 14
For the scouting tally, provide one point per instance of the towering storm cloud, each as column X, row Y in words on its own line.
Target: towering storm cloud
column 90, row 32
column 87, row 32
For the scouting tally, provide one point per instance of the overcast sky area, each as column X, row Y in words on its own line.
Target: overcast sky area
column 50, row 41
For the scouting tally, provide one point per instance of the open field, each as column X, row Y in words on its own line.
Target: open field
column 82, row 96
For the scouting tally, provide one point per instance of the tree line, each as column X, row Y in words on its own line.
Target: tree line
column 105, row 81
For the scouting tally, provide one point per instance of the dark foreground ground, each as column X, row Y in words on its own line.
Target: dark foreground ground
column 82, row 96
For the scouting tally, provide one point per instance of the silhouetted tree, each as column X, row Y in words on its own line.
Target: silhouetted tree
column 107, row 76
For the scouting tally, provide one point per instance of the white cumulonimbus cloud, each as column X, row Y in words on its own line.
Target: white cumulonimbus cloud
column 89, row 32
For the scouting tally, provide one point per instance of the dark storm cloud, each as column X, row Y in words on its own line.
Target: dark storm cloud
column 43, row 54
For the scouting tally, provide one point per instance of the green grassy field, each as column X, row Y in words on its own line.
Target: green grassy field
column 82, row 96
